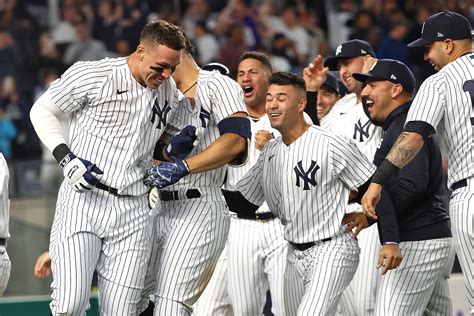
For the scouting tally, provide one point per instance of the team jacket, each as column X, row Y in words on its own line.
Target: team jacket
column 418, row 191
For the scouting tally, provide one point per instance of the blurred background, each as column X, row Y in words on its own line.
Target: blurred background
column 39, row 39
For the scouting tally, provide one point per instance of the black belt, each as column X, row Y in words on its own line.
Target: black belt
column 257, row 217
column 3, row 241
column 460, row 184
column 303, row 247
column 173, row 195
column 111, row 190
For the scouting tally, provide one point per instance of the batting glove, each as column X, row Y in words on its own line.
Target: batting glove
column 80, row 174
column 166, row 173
column 153, row 196
column 183, row 143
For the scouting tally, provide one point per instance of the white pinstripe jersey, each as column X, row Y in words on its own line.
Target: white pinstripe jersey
column 5, row 200
column 115, row 121
column 446, row 101
column 217, row 97
column 235, row 173
column 307, row 183
column 355, row 124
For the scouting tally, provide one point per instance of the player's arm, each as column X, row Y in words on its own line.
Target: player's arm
column 79, row 173
column 314, row 76
column 235, row 131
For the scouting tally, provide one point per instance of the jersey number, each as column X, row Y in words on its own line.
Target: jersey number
column 468, row 86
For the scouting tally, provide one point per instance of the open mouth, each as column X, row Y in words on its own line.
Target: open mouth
column 370, row 103
column 248, row 90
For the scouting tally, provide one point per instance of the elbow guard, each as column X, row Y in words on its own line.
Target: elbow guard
column 235, row 125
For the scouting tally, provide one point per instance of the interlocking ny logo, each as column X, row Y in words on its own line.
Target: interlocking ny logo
column 307, row 176
column 361, row 130
column 161, row 113
column 204, row 115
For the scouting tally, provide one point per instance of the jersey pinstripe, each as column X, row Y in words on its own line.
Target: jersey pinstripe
column 5, row 201
column 115, row 115
column 115, row 123
column 316, row 172
column 349, row 119
column 5, row 264
column 189, row 234
column 445, row 101
column 235, row 173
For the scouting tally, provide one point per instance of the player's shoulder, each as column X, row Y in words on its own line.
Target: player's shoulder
column 99, row 67
column 217, row 81
column 324, row 135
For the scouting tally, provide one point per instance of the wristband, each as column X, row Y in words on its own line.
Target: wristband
column 384, row 172
column 60, row 153
column 390, row 243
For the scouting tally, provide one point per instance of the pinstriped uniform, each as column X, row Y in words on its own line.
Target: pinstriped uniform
column 309, row 194
column 5, row 264
column 446, row 101
column 189, row 234
column 350, row 120
column 256, row 250
column 115, row 123
column 412, row 289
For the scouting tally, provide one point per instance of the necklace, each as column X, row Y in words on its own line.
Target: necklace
column 190, row 87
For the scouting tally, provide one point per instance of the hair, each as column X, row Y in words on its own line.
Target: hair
column 164, row 33
column 190, row 48
column 261, row 57
column 282, row 78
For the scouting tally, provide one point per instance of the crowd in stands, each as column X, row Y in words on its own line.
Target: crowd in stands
column 39, row 39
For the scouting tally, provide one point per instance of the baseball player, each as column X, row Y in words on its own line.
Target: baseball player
column 322, row 91
column 347, row 118
column 5, row 264
column 305, row 177
column 118, row 109
column 192, row 224
column 256, row 247
column 444, row 102
column 419, row 197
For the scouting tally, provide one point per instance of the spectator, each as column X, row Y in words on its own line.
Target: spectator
column 106, row 24
column 206, row 43
column 85, row 48
column 233, row 47
column 7, row 133
column 393, row 46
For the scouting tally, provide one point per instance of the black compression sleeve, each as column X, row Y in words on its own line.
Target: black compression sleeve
column 384, row 172
column 60, row 152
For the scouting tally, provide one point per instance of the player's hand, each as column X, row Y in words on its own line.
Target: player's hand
column 166, row 173
column 153, row 196
column 390, row 257
column 356, row 220
column 315, row 74
column 262, row 137
column 182, row 143
column 369, row 62
column 370, row 200
column 43, row 266
column 80, row 174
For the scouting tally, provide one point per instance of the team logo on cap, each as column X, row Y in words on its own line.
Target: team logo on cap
column 338, row 50
column 373, row 66
column 440, row 34
column 363, row 51
column 423, row 28
column 393, row 77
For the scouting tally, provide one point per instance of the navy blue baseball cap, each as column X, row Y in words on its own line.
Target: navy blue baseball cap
column 443, row 25
column 391, row 70
column 331, row 82
column 349, row 49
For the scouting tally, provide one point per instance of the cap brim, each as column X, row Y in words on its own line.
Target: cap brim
column 331, row 62
column 363, row 77
column 419, row 42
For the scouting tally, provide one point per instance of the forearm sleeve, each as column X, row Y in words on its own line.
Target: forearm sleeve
column 44, row 117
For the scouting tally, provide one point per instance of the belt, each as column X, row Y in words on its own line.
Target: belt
column 3, row 241
column 173, row 195
column 111, row 190
column 258, row 217
column 303, row 247
column 460, row 184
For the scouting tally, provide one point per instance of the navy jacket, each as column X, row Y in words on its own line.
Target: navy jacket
column 418, row 192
